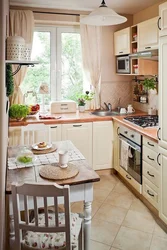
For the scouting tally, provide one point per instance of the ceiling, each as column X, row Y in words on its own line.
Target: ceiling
column 121, row 6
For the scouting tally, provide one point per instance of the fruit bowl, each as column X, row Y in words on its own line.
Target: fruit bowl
column 34, row 109
column 33, row 112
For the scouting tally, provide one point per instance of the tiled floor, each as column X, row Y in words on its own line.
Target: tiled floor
column 120, row 220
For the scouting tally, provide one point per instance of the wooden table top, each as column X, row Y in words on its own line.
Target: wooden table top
column 31, row 174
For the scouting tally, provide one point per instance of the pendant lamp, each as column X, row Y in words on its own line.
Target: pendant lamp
column 103, row 16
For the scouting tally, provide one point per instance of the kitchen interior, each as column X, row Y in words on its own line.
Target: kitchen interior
column 122, row 134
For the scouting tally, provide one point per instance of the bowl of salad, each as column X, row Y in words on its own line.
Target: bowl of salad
column 25, row 156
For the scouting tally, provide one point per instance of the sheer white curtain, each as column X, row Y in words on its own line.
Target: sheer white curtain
column 21, row 23
column 91, row 55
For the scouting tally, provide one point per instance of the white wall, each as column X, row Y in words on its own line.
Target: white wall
column 3, row 119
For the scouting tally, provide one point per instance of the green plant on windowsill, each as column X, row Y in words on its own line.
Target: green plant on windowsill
column 18, row 111
column 149, row 83
column 81, row 102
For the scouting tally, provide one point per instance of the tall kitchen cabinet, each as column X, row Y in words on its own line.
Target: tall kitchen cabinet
column 102, row 145
column 162, row 110
column 81, row 136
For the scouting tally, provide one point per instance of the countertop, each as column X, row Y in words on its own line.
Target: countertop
column 88, row 117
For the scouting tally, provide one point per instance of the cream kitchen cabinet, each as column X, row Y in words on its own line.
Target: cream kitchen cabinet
column 163, row 19
column 102, row 145
column 151, row 171
column 148, row 35
column 163, row 185
column 122, row 42
column 14, row 136
column 162, row 134
column 81, row 136
column 55, row 132
column 116, row 146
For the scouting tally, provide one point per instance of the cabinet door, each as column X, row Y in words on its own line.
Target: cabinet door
column 163, row 91
column 14, row 136
column 163, row 19
column 122, row 42
column 116, row 146
column 81, row 136
column 55, row 131
column 148, row 35
column 163, row 188
column 102, row 145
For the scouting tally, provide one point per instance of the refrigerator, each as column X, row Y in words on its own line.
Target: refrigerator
column 4, row 10
column 162, row 132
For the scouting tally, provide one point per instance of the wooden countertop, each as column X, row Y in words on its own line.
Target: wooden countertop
column 88, row 117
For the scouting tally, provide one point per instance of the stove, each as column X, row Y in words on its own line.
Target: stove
column 143, row 121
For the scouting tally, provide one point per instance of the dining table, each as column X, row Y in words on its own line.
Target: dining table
column 81, row 185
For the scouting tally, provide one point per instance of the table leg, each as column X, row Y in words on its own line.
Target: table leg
column 87, row 224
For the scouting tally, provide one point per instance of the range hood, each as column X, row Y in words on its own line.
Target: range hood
column 152, row 55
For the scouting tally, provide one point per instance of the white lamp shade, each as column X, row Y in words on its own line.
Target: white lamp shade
column 44, row 88
column 103, row 16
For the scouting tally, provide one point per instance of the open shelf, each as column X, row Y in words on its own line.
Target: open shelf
column 20, row 64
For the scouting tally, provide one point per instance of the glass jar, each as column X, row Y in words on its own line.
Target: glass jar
column 25, row 156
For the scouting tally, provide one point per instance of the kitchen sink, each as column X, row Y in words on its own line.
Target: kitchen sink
column 105, row 113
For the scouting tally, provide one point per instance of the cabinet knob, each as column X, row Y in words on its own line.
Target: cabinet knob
column 158, row 134
column 158, row 159
column 151, row 159
column 148, row 192
column 120, row 52
column 128, row 177
column 132, row 136
column 125, row 132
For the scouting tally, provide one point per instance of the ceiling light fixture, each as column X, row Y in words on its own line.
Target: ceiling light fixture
column 103, row 16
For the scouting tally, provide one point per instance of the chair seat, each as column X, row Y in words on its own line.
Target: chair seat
column 37, row 240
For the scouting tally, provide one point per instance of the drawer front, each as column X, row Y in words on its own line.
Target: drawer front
column 150, row 192
column 130, row 180
column 151, row 173
column 150, row 157
column 150, row 144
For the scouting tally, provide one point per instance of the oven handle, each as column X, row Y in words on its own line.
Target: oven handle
column 137, row 148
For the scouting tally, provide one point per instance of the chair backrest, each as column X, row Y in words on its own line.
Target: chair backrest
column 41, row 192
column 33, row 133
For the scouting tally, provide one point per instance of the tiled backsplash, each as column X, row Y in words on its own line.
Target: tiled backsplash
column 112, row 91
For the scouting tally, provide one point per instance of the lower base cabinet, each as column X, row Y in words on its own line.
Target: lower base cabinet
column 102, row 145
column 81, row 136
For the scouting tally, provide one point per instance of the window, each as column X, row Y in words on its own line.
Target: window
column 58, row 51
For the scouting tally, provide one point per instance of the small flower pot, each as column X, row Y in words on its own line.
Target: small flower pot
column 81, row 108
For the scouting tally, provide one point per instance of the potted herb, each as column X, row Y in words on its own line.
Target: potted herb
column 18, row 111
column 149, row 83
column 81, row 104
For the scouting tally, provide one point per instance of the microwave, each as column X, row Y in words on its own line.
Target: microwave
column 123, row 64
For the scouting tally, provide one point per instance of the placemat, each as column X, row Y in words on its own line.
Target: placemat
column 45, row 159
column 44, row 151
column 55, row 172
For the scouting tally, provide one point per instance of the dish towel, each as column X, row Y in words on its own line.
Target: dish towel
column 124, row 155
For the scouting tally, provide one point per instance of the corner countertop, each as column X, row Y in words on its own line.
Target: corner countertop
column 88, row 117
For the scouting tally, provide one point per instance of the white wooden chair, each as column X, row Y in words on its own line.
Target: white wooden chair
column 33, row 133
column 48, row 230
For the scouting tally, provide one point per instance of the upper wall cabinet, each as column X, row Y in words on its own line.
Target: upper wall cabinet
column 122, row 42
column 148, row 34
column 162, row 22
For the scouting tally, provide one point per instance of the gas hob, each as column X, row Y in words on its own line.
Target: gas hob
column 143, row 121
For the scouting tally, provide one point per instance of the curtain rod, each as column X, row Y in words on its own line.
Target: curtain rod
column 43, row 12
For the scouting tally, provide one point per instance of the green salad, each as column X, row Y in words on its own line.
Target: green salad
column 24, row 159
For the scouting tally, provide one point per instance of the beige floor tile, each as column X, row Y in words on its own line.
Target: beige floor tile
column 120, row 200
column 103, row 231
column 106, row 182
column 100, row 194
column 158, row 243
column 130, row 239
column 98, row 246
column 158, row 231
column 77, row 207
column 111, row 214
column 138, row 206
column 113, row 248
column 122, row 189
column 139, row 221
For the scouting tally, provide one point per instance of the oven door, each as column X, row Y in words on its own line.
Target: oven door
column 130, row 158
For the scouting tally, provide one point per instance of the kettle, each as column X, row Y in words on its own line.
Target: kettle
column 130, row 109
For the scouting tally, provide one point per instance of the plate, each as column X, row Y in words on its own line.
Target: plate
column 35, row 146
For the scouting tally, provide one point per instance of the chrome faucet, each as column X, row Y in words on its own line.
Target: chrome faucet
column 108, row 106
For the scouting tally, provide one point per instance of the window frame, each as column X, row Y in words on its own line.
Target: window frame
column 55, row 55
